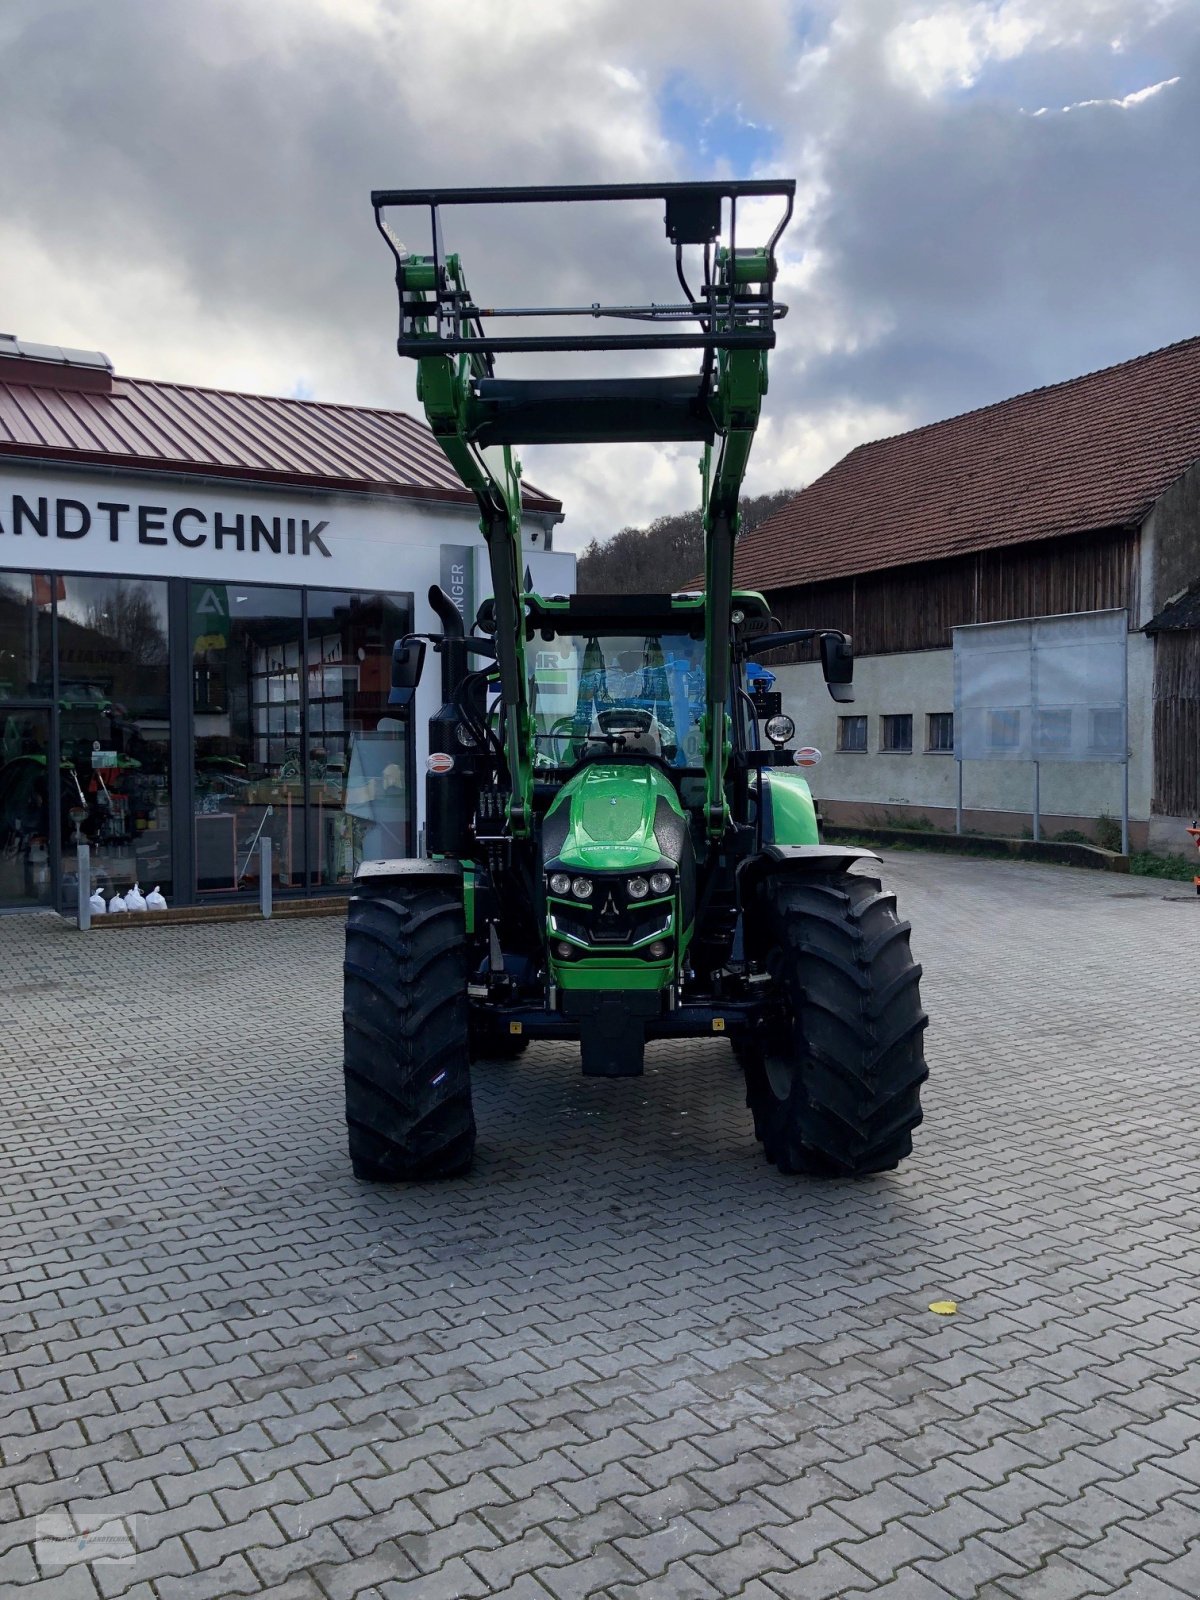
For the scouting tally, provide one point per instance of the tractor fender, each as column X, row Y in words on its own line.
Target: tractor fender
column 406, row 867
column 811, row 858
column 789, row 816
column 797, row 860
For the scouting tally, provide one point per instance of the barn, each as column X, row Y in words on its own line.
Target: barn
column 1081, row 496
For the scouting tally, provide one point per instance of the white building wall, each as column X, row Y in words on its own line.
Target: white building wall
column 920, row 682
column 151, row 525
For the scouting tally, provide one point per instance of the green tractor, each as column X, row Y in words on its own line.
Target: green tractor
column 613, row 853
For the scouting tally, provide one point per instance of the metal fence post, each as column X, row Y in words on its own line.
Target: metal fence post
column 84, row 885
column 1125, row 729
column 958, row 812
column 264, row 874
column 1037, row 799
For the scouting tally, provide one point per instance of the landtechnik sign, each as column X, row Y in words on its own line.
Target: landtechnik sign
column 139, row 525
column 66, row 520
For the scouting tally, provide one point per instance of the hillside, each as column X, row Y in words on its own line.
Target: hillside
column 663, row 557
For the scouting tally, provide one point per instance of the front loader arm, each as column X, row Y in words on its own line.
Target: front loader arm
column 478, row 418
column 493, row 475
column 736, row 403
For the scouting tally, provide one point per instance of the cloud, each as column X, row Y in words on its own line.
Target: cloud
column 186, row 186
column 950, row 47
column 1134, row 98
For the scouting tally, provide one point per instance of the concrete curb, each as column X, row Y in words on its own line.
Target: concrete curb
column 282, row 911
column 974, row 844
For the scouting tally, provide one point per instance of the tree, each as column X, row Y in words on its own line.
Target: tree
column 664, row 557
column 127, row 614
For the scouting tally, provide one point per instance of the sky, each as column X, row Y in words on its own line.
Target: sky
column 992, row 194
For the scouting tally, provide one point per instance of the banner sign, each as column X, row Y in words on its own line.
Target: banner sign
column 1042, row 689
column 458, row 580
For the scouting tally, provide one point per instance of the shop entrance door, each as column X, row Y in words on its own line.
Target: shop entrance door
column 25, row 777
column 112, row 800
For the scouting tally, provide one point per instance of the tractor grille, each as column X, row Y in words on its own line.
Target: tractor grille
column 609, row 922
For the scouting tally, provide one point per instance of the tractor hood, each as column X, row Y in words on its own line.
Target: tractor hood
column 615, row 816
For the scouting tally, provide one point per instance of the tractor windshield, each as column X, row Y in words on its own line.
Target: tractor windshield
column 596, row 694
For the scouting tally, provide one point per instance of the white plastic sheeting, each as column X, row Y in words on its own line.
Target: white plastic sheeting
column 1042, row 689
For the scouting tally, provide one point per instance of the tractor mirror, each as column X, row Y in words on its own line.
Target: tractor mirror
column 408, row 658
column 837, row 663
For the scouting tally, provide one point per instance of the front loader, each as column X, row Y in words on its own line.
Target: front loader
column 613, row 852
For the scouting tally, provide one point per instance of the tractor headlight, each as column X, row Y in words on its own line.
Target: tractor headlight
column 638, row 888
column 560, row 883
column 581, row 888
column 779, row 730
column 660, row 882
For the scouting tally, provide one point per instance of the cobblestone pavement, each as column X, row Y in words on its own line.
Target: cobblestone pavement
column 625, row 1357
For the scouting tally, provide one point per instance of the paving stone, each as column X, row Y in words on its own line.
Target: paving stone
column 829, row 1577
column 802, row 1541
column 1059, row 1579
column 624, row 1357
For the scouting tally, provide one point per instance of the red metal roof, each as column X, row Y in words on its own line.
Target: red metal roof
column 1091, row 453
column 172, row 427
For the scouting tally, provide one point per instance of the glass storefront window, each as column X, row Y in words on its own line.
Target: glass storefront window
column 24, row 807
column 292, row 735
column 246, row 701
column 25, row 607
column 114, row 729
column 359, row 801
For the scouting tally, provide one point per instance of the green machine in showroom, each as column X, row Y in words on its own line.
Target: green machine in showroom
column 613, row 853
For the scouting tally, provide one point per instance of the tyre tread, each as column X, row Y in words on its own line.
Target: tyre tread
column 856, row 1026
column 407, row 1079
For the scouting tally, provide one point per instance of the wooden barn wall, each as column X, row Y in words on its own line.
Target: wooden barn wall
column 914, row 608
column 1177, row 724
column 821, row 605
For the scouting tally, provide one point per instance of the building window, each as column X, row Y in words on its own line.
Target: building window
column 114, row 731
column 939, row 732
column 25, row 856
column 1106, row 731
column 895, row 733
column 852, row 734
column 359, row 800
column 1053, row 733
column 1004, row 730
column 248, row 778
column 25, row 603
column 295, row 740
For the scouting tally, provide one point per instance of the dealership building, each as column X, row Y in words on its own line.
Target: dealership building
column 199, row 591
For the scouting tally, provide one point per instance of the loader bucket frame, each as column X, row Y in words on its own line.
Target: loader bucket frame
column 479, row 419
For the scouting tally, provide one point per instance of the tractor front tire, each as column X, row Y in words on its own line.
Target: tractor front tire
column 834, row 1084
column 408, row 1082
